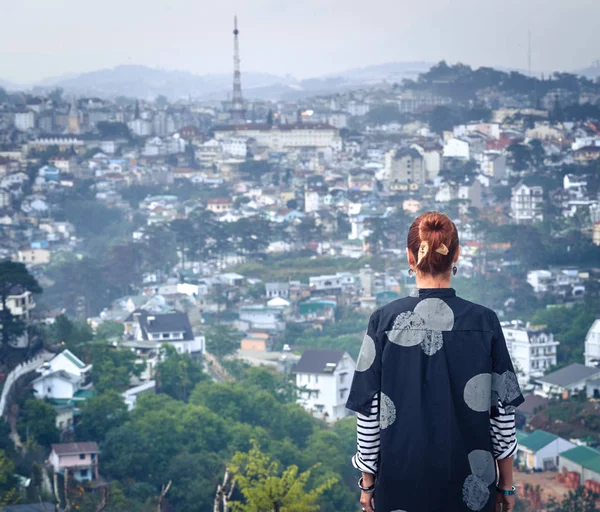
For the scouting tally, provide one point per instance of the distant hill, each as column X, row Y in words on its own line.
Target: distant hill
column 145, row 82
column 591, row 72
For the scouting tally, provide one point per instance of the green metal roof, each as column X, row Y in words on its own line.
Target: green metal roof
column 521, row 436
column 584, row 456
column 537, row 440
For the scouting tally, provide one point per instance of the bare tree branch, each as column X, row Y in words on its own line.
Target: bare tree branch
column 163, row 493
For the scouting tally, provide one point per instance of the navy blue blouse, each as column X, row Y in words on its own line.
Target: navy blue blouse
column 440, row 367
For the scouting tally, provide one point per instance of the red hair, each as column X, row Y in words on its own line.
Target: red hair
column 437, row 230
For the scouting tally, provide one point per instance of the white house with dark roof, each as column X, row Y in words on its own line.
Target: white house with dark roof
column 145, row 330
column 324, row 378
column 570, row 380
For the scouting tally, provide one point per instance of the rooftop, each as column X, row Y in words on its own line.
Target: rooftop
column 571, row 374
column 537, row 440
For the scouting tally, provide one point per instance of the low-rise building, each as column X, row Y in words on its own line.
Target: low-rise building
column 324, row 378
column 541, row 450
column 567, row 381
column 79, row 459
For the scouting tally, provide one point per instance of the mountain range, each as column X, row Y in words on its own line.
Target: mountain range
column 148, row 83
column 145, row 82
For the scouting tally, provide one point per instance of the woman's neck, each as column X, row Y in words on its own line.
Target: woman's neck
column 428, row 281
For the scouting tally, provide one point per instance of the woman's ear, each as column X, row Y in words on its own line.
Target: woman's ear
column 457, row 255
column 410, row 258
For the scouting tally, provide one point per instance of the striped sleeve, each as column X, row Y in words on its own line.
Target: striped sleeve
column 367, row 440
column 503, row 433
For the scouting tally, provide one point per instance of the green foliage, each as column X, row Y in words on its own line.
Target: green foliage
column 177, row 374
column 579, row 500
column 38, row 422
column 112, row 368
column 109, row 330
column 265, row 488
column 100, row 414
column 222, row 340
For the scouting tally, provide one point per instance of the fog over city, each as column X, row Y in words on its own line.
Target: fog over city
column 42, row 39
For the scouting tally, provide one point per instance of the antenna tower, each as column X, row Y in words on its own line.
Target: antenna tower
column 238, row 112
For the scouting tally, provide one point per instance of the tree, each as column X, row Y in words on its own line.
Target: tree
column 14, row 278
column 177, row 374
column 38, row 422
column 100, row 414
column 222, row 340
column 579, row 500
column 266, row 489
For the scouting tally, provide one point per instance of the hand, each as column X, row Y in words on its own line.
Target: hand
column 505, row 503
column 366, row 500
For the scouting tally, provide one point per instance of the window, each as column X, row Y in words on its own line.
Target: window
column 81, row 456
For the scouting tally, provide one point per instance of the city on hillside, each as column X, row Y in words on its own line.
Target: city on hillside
column 186, row 282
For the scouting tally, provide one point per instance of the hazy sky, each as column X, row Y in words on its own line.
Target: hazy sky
column 44, row 38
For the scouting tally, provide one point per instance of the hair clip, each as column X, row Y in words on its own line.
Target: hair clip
column 442, row 249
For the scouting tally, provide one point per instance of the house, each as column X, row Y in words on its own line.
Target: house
column 219, row 204
column 79, row 459
column 323, row 378
column 64, row 377
column 592, row 345
column 527, row 203
column 566, row 381
column 148, row 331
column 277, row 290
column 541, row 450
column 529, row 408
column 582, row 460
column 533, row 349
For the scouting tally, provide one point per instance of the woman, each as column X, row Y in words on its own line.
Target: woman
column 435, row 392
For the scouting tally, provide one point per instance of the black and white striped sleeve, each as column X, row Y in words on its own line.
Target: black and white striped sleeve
column 503, row 433
column 367, row 440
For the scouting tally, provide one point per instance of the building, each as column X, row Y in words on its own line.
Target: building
column 592, row 345
column 533, row 349
column 25, row 121
column 277, row 290
column 284, row 137
column 219, row 205
column 567, row 381
column 527, row 204
column 323, row 378
column 151, row 330
column 582, row 460
column 406, row 170
column 64, row 377
column 541, row 450
column 79, row 459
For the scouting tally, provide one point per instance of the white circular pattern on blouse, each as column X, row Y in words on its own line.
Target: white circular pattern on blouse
column 387, row 412
column 475, row 493
column 478, row 392
column 366, row 355
column 433, row 342
column 483, row 465
column 436, row 314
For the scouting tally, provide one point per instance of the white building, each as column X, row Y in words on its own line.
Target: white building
column 323, row 378
column 592, row 345
column 456, row 148
column 24, row 121
column 541, row 450
column 283, row 137
column 533, row 350
column 527, row 203
column 339, row 281
column 62, row 377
